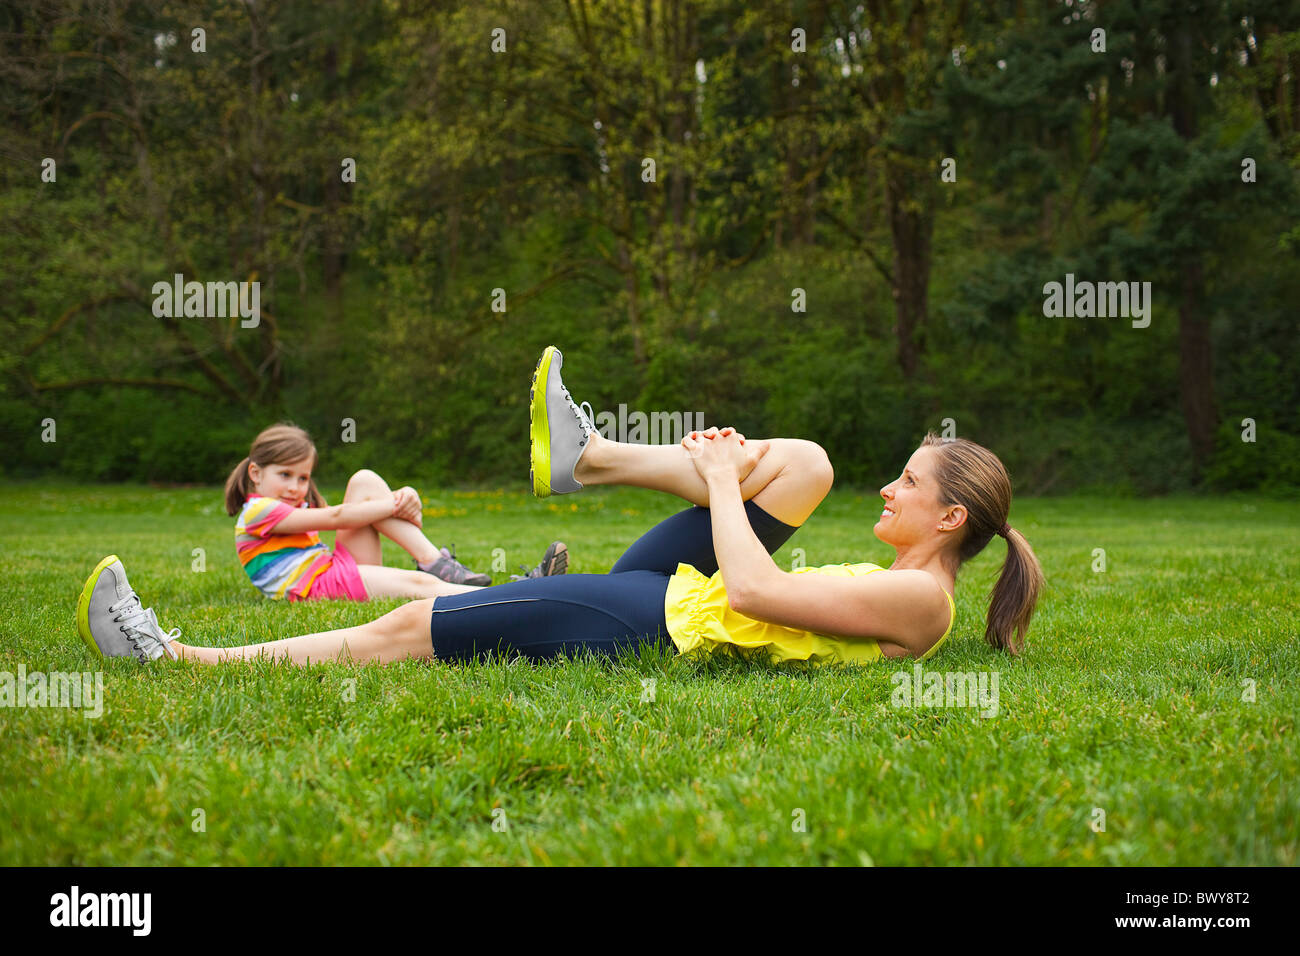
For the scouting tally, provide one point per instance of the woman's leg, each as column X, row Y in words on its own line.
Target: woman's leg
column 687, row 538
column 364, row 543
column 539, row 618
column 788, row 483
column 543, row 618
column 398, row 582
column 783, row 489
column 400, row 634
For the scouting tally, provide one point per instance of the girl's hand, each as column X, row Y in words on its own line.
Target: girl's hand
column 723, row 453
column 407, row 506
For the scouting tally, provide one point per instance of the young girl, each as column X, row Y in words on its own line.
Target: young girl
column 280, row 512
column 703, row 579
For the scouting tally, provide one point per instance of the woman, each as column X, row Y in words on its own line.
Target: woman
column 703, row 579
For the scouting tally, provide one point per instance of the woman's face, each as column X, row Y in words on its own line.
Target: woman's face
column 287, row 481
column 913, row 509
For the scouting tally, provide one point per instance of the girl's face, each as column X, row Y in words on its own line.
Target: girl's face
column 913, row 509
column 287, row 481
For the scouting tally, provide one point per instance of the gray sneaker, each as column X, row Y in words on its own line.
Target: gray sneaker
column 559, row 430
column 447, row 568
column 112, row 622
column 554, row 561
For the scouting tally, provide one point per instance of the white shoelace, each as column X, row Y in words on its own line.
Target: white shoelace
column 583, row 413
column 141, row 624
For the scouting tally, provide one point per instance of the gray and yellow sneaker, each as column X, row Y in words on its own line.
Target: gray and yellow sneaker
column 445, row 567
column 559, row 430
column 112, row 622
column 554, row 561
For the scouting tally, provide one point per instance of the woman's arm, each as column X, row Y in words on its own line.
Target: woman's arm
column 350, row 514
column 905, row 607
column 747, row 568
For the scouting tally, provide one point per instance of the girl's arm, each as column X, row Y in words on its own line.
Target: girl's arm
column 905, row 607
column 350, row 514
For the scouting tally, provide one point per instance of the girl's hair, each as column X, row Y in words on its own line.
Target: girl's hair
column 972, row 476
column 280, row 443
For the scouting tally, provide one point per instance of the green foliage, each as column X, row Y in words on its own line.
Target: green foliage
column 523, row 171
column 1270, row 462
column 121, row 434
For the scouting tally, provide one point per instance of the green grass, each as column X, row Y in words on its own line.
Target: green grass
column 1130, row 699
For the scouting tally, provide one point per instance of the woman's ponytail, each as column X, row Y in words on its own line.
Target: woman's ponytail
column 1015, row 595
column 972, row 476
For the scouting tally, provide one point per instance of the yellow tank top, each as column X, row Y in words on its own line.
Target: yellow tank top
column 701, row 623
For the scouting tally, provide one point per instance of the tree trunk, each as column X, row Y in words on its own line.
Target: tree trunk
column 331, row 246
column 633, row 305
column 911, row 221
column 1195, row 350
column 1196, row 366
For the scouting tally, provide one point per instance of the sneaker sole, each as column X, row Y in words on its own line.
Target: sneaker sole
column 83, row 605
column 548, row 559
column 539, row 430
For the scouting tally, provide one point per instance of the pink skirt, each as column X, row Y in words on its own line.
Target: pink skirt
column 340, row 580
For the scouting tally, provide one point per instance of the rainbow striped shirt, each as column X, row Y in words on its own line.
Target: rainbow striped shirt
column 279, row 565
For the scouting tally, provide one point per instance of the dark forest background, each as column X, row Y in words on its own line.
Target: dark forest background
column 775, row 169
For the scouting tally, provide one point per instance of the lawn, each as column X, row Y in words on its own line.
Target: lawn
column 1151, row 721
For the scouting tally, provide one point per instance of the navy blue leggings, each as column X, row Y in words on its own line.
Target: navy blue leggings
column 540, row 618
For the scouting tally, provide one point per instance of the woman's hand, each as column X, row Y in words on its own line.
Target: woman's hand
column 406, row 505
column 723, row 454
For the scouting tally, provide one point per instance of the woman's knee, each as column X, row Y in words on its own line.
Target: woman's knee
column 400, row 634
column 815, row 464
column 806, row 461
column 798, row 478
column 409, row 621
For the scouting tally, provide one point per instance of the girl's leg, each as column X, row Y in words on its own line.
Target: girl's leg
column 398, row 635
column 364, row 543
column 398, row 582
column 788, row 482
